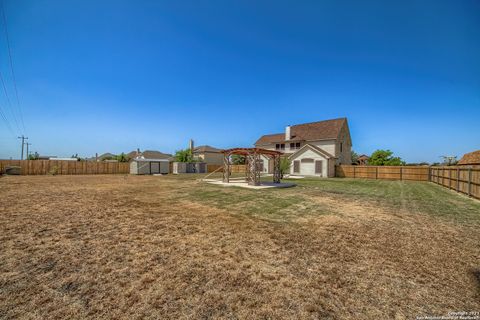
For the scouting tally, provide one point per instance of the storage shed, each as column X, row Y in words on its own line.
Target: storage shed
column 149, row 166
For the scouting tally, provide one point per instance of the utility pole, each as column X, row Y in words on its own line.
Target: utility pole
column 28, row 144
column 23, row 143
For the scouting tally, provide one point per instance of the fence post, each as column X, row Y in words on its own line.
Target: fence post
column 401, row 173
column 469, row 181
column 458, row 179
column 449, row 178
column 354, row 175
column 376, row 173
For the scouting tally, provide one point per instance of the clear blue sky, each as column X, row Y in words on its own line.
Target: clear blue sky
column 98, row 76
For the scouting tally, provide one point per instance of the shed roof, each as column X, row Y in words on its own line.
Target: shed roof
column 470, row 158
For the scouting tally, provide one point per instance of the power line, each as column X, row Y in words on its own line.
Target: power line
column 8, row 101
column 11, row 64
column 2, row 114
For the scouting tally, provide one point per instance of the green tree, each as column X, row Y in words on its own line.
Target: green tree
column 34, row 156
column 285, row 164
column 384, row 158
column 122, row 157
column 354, row 157
column 238, row 159
column 184, row 156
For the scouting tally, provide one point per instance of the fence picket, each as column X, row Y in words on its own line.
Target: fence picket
column 467, row 184
column 36, row 167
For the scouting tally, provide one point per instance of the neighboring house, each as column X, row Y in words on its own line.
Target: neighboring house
column 106, row 156
column 363, row 160
column 313, row 148
column 208, row 154
column 472, row 158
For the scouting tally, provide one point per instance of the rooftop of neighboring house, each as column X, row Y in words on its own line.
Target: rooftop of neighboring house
column 206, row 148
column 320, row 130
column 363, row 156
column 470, row 158
column 149, row 154
column 104, row 156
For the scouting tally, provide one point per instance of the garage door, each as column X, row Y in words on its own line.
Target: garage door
column 307, row 167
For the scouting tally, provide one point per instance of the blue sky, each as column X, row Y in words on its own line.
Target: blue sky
column 98, row 76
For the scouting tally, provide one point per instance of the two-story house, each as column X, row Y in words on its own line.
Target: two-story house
column 313, row 148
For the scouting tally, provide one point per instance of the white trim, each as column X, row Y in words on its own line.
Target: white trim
column 315, row 149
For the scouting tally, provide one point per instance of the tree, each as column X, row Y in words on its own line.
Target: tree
column 122, row 157
column 34, row 156
column 238, row 159
column 354, row 157
column 184, row 156
column 384, row 158
column 285, row 164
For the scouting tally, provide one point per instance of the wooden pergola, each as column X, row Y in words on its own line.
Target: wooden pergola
column 252, row 158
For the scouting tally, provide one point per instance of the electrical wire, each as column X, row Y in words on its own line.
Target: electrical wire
column 11, row 64
column 9, row 102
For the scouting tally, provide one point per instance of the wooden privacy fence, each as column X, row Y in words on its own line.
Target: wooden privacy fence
column 415, row 173
column 461, row 179
column 236, row 168
column 42, row 167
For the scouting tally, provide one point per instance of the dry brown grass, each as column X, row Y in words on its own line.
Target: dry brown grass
column 152, row 247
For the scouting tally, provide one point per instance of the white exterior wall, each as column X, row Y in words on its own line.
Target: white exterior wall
column 326, row 145
column 308, row 153
column 266, row 162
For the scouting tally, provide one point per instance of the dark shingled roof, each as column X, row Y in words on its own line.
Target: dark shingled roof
column 321, row 130
column 150, row 154
column 470, row 158
column 206, row 148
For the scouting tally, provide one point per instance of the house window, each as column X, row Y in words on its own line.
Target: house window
column 296, row 166
column 341, row 146
column 294, row 145
column 318, row 167
column 280, row 146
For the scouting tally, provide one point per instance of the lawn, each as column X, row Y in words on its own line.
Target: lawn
column 141, row 247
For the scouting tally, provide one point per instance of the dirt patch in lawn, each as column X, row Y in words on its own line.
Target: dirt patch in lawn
column 143, row 247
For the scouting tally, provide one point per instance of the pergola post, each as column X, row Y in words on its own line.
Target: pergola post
column 226, row 168
column 253, row 176
column 276, row 169
column 247, row 169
